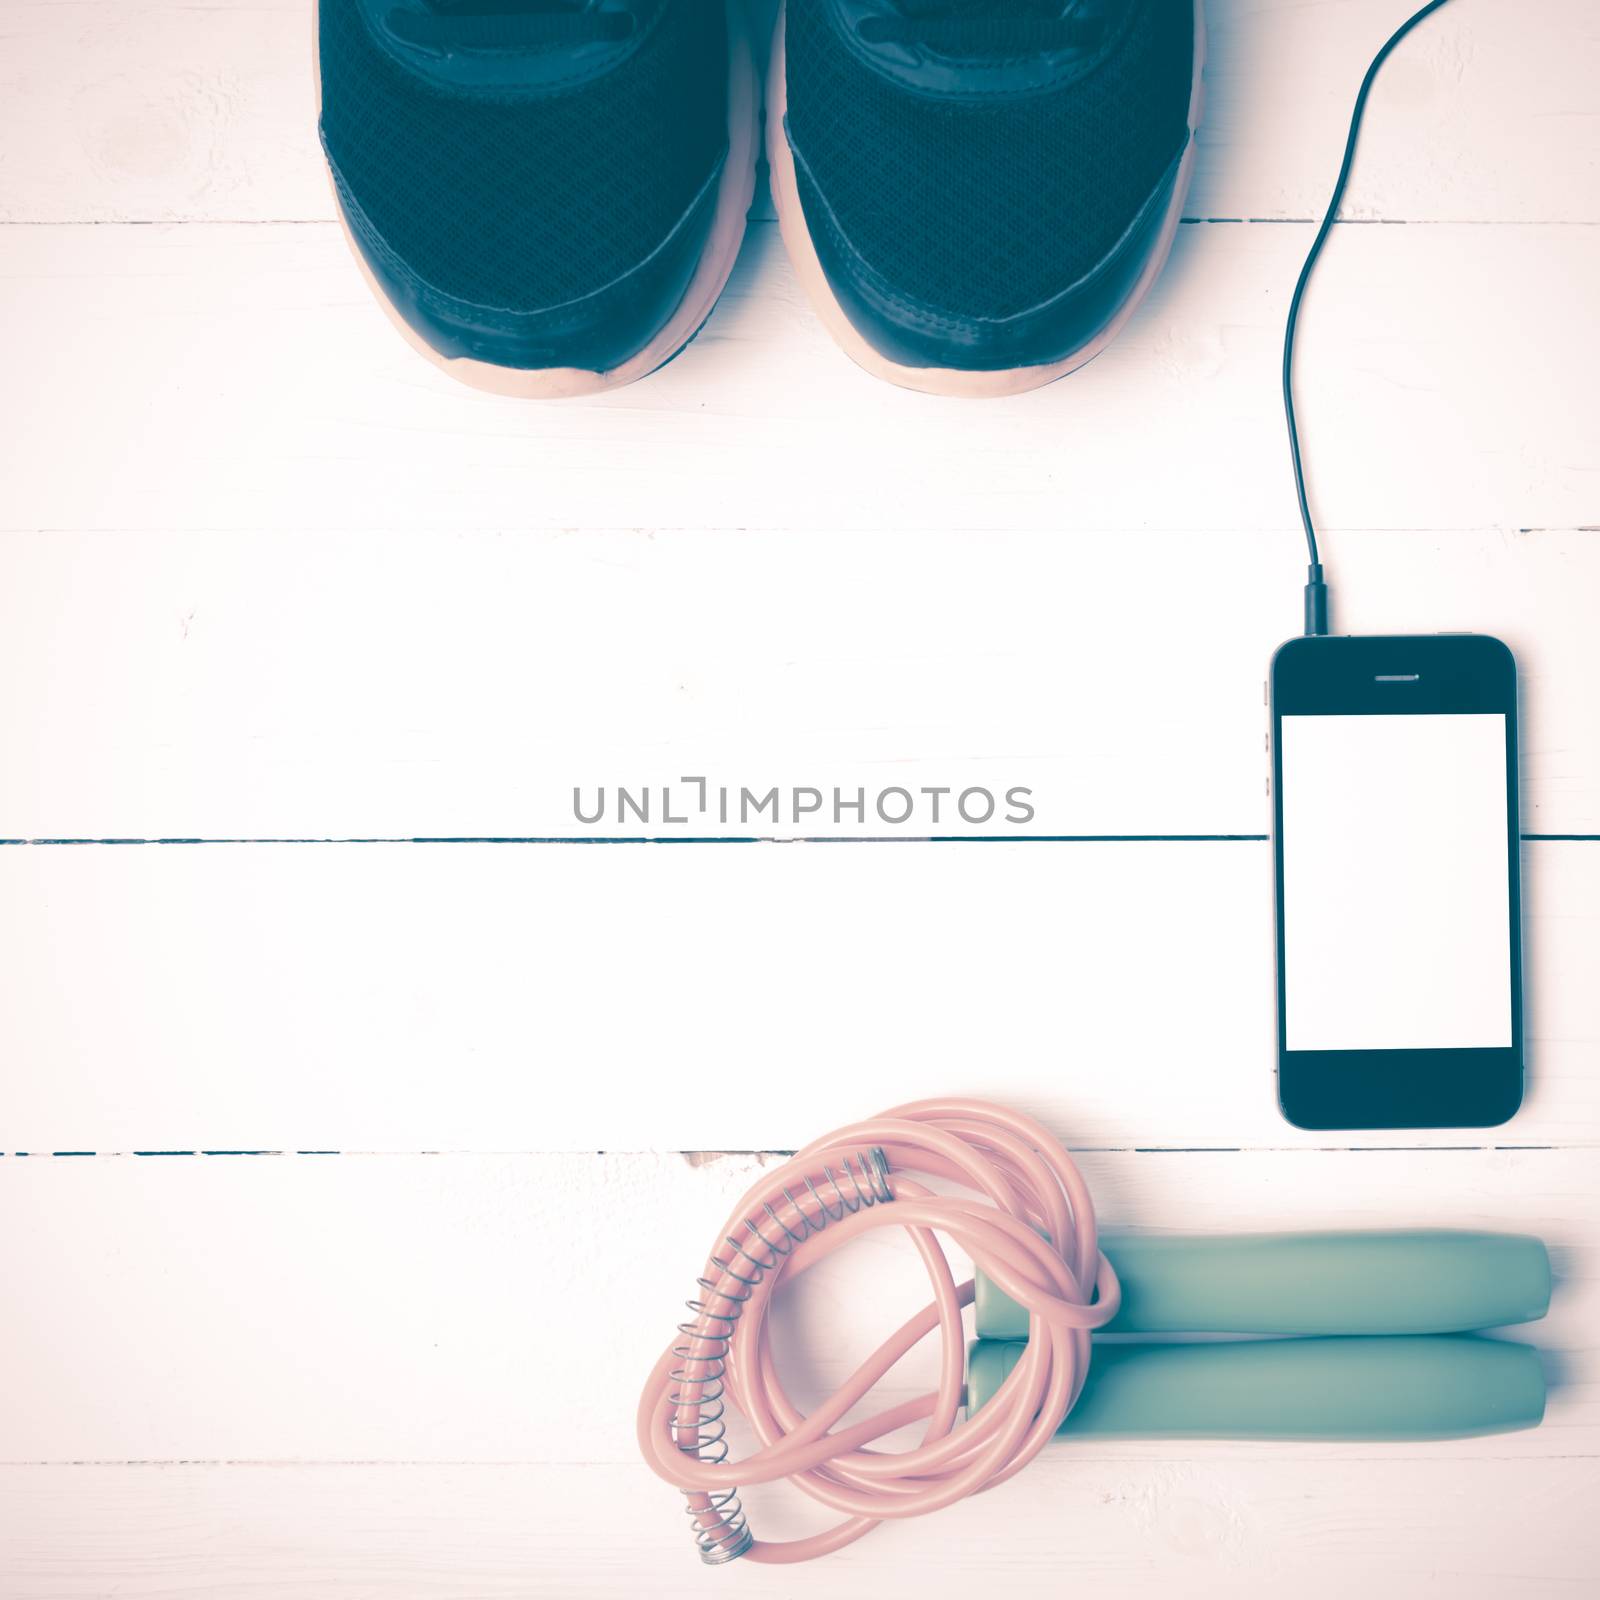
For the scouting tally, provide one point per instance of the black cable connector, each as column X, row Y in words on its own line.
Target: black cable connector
column 1316, row 602
column 1316, row 588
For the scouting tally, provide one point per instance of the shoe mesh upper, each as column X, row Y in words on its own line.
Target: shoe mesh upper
column 988, row 208
column 527, row 203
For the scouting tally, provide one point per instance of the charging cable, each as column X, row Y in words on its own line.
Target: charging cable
column 1316, row 620
column 1032, row 1232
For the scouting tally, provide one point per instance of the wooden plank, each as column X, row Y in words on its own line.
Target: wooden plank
column 306, row 614
column 508, row 1308
column 1434, row 1528
column 241, row 377
column 411, row 997
column 403, row 685
column 150, row 110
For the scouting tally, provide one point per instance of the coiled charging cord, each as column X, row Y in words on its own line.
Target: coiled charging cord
column 1029, row 1225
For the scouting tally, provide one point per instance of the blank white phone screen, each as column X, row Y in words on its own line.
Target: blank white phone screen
column 1396, row 900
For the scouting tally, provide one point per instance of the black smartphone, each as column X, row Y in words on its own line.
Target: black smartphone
column 1396, row 847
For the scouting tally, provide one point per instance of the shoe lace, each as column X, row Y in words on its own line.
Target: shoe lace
column 509, row 24
column 984, row 27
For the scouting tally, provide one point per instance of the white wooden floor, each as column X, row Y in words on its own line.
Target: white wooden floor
column 318, row 1286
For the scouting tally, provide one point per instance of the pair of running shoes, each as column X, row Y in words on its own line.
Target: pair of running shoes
column 549, row 195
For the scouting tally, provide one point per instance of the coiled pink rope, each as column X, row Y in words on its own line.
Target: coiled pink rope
column 1030, row 1226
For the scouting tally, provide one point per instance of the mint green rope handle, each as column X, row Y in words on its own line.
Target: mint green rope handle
column 1430, row 1387
column 1420, row 1281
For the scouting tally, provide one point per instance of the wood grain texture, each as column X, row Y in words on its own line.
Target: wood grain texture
column 281, row 685
column 508, row 1308
column 241, row 377
column 1434, row 1527
column 264, row 573
column 584, row 997
column 299, row 1352
column 176, row 112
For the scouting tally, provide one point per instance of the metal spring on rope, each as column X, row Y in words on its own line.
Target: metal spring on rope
column 721, row 1529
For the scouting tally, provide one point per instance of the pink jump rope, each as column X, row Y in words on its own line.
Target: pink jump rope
column 1375, row 1324
column 1033, row 1234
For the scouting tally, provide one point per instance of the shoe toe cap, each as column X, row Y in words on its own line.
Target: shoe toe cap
column 596, row 331
column 917, row 332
